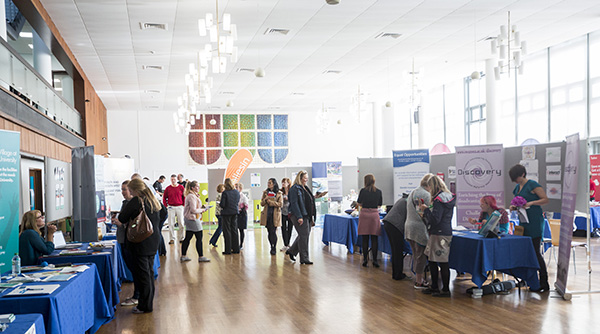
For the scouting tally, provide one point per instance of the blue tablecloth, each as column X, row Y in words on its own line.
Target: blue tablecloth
column 511, row 254
column 343, row 229
column 77, row 306
column 107, row 263
column 23, row 323
column 581, row 222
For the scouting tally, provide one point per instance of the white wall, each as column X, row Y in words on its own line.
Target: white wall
column 150, row 139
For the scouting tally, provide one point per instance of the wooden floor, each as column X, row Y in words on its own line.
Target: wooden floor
column 254, row 292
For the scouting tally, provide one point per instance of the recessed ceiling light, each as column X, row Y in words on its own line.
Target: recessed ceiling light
column 273, row 108
column 393, row 35
column 147, row 25
column 152, row 91
column 26, row 34
column 242, row 69
column 227, row 93
column 152, row 67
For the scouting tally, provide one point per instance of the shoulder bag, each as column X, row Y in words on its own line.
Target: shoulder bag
column 139, row 228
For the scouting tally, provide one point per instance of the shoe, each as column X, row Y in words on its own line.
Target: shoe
column 184, row 259
column 402, row 276
column 273, row 251
column 365, row 264
column 375, row 264
column 441, row 294
column 306, row 262
column 214, row 245
column 136, row 310
column 423, row 285
column 284, row 248
column 429, row 291
column 171, row 242
column 203, row 259
column 292, row 257
column 226, row 253
column 129, row 302
column 541, row 289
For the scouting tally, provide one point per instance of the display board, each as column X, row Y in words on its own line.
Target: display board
column 58, row 189
column 84, row 194
column 10, row 163
column 382, row 169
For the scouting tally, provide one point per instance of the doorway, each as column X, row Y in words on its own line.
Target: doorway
column 36, row 199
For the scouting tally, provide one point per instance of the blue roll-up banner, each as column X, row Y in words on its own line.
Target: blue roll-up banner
column 409, row 168
column 10, row 162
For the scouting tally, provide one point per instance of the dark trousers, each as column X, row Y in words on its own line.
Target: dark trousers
column 128, row 258
column 162, row 250
column 397, row 243
column 230, row 234
column 272, row 233
column 143, row 278
column 242, row 222
column 242, row 235
column 186, row 242
column 543, row 271
column 445, row 271
column 217, row 234
column 374, row 247
column 300, row 245
column 286, row 230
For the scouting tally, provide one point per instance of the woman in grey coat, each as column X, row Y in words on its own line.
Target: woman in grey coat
column 416, row 231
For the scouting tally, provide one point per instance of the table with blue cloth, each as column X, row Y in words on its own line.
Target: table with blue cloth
column 124, row 272
column 77, row 306
column 581, row 222
column 24, row 322
column 108, row 262
column 511, row 254
column 343, row 229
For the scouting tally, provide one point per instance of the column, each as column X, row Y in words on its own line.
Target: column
column 42, row 59
column 388, row 137
column 67, row 88
column 421, row 107
column 377, row 129
column 492, row 119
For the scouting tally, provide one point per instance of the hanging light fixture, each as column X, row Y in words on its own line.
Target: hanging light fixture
column 222, row 34
column 509, row 47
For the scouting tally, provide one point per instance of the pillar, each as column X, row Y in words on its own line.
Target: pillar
column 42, row 59
column 492, row 119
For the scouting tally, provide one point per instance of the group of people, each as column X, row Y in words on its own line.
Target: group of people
column 424, row 219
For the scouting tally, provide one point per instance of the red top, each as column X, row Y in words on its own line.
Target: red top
column 173, row 196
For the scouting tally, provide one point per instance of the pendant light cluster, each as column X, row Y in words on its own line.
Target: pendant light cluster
column 510, row 48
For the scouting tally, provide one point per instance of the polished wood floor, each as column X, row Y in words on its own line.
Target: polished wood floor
column 254, row 292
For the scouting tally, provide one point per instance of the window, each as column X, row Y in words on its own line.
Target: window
column 475, row 130
column 532, row 88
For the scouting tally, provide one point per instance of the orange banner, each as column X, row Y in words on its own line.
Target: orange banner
column 237, row 165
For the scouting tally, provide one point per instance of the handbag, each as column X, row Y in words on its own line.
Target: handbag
column 139, row 228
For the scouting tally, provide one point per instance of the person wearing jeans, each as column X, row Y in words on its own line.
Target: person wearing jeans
column 173, row 200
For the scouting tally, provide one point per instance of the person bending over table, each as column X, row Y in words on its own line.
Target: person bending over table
column 143, row 253
column 369, row 200
column 416, row 231
column 535, row 196
column 393, row 223
column 270, row 217
column 439, row 219
column 31, row 243
column 302, row 214
column 488, row 206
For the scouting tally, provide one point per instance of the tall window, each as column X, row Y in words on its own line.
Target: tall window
column 475, row 111
column 455, row 119
column 532, row 88
column 594, row 84
column 568, row 96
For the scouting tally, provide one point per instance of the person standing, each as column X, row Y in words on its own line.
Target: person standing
column 173, row 200
column 181, row 181
column 369, row 199
column 286, row 223
column 302, row 214
column 217, row 234
column 242, row 218
column 229, row 210
column 143, row 252
column 192, row 213
column 31, row 243
column 158, row 184
column 393, row 223
column 121, row 236
column 415, row 230
column 439, row 219
column 271, row 201
column 535, row 196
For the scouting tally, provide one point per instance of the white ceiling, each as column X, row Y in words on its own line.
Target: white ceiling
column 439, row 35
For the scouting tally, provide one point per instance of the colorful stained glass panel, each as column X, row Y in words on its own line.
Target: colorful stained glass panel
column 280, row 154
column 230, row 122
column 229, row 152
column 196, row 139
column 197, row 156
column 266, row 155
column 247, row 122
column 264, row 139
column 264, row 122
column 280, row 122
column 209, row 120
column 230, row 139
column 280, row 139
column 248, row 139
column 199, row 124
column 213, row 139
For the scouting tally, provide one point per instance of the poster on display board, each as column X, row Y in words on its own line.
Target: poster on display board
column 409, row 168
column 479, row 173
column 595, row 172
column 101, row 208
column 532, row 168
column 569, row 198
column 334, row 180
column 58, row 189
column 10, row 165
column 116, row 170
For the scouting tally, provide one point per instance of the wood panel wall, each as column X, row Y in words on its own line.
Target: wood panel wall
column 37, row 143
column 94, row 114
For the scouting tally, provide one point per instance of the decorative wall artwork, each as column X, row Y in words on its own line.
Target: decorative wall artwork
column 215, row 138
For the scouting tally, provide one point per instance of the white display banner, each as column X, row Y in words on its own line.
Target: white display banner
column 479, row 172
column 409, row 168
column 116, row 170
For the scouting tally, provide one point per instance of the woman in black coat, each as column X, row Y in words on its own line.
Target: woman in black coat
column 143, row 253
column 230, row 199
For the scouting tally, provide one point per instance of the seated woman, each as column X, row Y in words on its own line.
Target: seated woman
column 31, row 243
column 488, row 206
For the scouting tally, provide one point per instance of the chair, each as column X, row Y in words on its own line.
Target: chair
column 555, row 241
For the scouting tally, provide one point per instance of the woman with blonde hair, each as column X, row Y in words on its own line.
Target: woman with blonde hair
column 192, row 213
column 286, row 223
column 369, row 200
column 143, row 252
column 31, row 243
column 302, row 214
column 230, row 199
column 439, row 220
